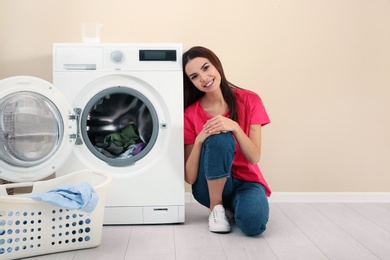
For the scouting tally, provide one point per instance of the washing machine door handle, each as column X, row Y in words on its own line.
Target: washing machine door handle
column 76, row 117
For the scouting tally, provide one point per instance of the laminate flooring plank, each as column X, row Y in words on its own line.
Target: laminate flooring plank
column 379, row 213
column 193, row 240
column 239, row 246
column 151, row 241
column 149, row 257
column 287, row 240
column 333, row 241
column 368, row 233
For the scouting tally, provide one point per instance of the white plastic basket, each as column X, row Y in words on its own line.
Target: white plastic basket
column 29, row 227
column 9, row 191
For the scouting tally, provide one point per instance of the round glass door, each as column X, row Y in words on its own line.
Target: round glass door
column 31, row 128
column 119, row 126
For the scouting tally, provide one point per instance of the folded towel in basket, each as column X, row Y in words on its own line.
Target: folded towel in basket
column 81, row 196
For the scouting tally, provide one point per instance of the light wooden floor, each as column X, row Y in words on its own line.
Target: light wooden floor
column 295, row 231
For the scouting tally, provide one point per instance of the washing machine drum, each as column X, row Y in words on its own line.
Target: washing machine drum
column 35, row 125
column 30, row 129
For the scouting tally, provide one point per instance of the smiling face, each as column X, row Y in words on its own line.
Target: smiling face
column 203, row 74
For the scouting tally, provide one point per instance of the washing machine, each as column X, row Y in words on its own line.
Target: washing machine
column 116, row 108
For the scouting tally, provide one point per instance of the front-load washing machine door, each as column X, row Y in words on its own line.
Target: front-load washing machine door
column 37, row 129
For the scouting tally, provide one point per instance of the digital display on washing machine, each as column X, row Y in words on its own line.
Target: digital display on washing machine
column 157, row 55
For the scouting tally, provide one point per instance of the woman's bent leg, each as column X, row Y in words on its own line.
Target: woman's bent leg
column 250, row 206
column 215, row 163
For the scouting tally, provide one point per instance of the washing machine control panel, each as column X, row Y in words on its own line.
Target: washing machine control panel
column 129, row 56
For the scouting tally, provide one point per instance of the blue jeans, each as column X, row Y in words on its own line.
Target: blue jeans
column 247, row 200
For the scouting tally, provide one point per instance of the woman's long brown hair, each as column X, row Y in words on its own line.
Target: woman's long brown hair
column 192, row 94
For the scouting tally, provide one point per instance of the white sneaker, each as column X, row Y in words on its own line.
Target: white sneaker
column 218, row 221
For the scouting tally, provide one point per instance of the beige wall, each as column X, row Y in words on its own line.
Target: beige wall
column 322, row 68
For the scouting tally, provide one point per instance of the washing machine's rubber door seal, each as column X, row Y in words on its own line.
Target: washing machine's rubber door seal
column 136, row 97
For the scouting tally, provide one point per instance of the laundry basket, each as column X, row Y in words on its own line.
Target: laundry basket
column 9, row 191
column 29, row 227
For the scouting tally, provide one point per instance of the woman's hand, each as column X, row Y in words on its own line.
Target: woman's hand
column 202, row 136
column 219, row 124
column 250, row 145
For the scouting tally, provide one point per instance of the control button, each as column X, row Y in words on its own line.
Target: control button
column 117, row 57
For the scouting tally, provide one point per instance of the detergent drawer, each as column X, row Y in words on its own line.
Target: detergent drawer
column 78, row 58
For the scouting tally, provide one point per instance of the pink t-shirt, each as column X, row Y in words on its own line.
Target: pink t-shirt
column 250, row 112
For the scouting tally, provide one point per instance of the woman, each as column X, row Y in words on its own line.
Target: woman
column 222, row 132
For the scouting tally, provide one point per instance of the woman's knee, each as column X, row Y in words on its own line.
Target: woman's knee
column 252, row 225
column 251, row 207
column 217, row 156
column 222, row 142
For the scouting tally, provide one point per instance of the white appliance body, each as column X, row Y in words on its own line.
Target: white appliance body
column 123, row 110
